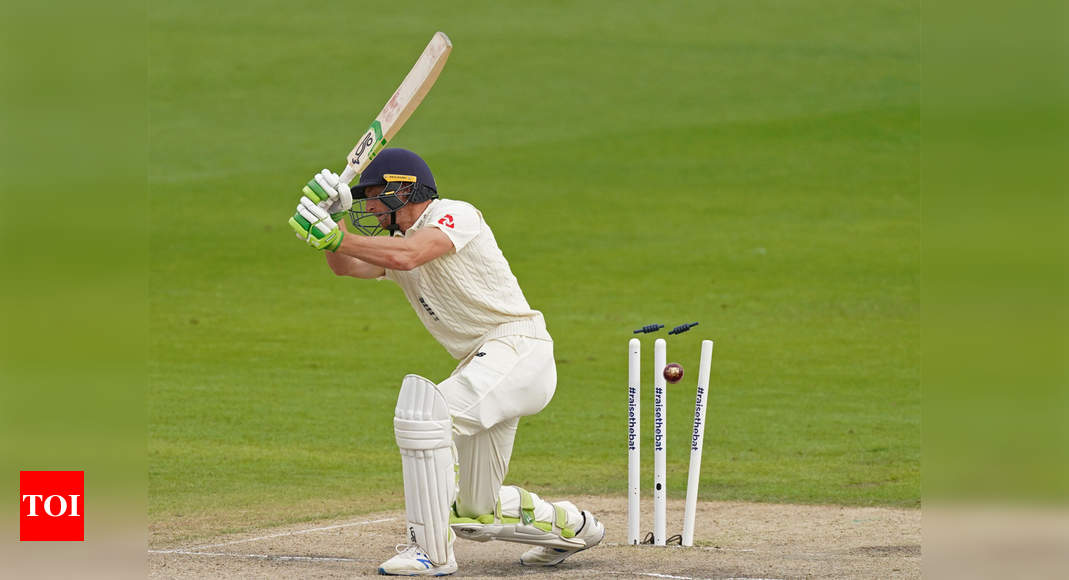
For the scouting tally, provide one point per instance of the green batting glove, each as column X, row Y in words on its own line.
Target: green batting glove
column 328, row 191
column 312, row 224
column 330, row 241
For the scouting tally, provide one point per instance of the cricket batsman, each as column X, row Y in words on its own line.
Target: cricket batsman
column 455, row 436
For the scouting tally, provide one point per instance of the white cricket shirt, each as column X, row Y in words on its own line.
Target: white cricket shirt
column 468, row 295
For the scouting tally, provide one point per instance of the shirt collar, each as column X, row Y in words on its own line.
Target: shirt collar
column 423, row 217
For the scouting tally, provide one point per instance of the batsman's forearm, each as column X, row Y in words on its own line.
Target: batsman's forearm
column 343, row 265
column 385, row 252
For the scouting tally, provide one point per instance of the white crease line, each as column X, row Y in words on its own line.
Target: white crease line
column 656, row 575
column 712, row 548
column 257, row 556
column 283, row 534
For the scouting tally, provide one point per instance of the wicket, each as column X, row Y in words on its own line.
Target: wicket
column 660, row 423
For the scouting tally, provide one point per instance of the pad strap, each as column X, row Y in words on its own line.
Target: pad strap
column 422, row 434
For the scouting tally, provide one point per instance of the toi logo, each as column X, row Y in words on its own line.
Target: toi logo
column 51, row 506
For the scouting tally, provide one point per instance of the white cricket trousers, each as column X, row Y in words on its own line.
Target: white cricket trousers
column 507, row 378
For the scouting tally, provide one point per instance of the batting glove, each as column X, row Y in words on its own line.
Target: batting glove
column 314, row 225
column 332, row 194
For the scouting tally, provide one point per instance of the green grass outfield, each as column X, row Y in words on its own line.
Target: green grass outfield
column 749, row 165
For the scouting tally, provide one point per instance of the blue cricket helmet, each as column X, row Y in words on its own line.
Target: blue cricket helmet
column 397, row 161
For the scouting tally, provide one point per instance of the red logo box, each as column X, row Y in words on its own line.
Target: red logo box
column 52, row 506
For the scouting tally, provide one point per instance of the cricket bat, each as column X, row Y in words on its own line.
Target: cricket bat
column 399, row 108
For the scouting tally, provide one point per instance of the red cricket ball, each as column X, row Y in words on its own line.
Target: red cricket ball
column 673, row 372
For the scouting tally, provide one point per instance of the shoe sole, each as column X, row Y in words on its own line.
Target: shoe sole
column 383, row 572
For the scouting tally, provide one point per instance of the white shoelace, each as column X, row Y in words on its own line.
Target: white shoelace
column 402, row 548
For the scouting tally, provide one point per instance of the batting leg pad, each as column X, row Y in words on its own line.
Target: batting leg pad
column 524, row 518
column 424, row 433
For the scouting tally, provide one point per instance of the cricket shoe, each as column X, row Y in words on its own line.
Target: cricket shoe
column 591, row 532
column 411, row 560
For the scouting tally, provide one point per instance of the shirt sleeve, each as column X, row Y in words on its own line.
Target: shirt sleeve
column 460, row 222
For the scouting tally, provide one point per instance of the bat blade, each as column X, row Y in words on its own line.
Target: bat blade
column 399, row 108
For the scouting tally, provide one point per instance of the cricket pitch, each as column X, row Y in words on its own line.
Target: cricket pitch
column 732, row 540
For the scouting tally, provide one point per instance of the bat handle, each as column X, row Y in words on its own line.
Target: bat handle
column 348, row 174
